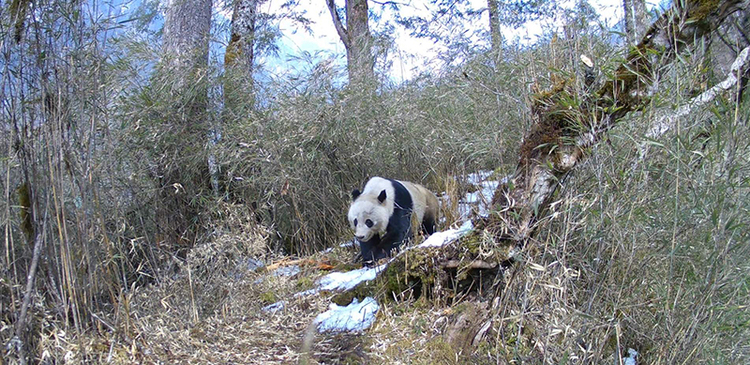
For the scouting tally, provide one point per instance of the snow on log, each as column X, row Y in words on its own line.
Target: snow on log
column 341, row 281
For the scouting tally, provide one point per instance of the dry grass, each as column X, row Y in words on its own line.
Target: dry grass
column 208, row 312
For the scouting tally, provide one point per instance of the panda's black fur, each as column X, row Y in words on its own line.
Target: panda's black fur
column 398, row 228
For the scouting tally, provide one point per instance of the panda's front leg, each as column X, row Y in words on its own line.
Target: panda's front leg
column 392, row 240
column 370, row 250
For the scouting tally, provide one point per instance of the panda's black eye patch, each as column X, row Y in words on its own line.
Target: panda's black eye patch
column 355, row 222
column 368, row 223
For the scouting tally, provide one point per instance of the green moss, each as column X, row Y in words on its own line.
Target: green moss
column 472, row 242
column 361, row 291
column 269, row 297
column 304, row 283
column 346, row 266
column 703, row 8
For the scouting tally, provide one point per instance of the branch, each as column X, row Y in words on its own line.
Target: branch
column 557, row 141
column 343, row 34
column 392, row 3
column 666, row 121
column 20, row 329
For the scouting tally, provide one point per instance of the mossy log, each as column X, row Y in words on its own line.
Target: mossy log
column 471, row 264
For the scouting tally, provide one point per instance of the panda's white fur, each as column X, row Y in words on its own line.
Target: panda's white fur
column 367, row 205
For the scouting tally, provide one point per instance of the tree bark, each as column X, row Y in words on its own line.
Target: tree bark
column 496, row 36
column 238, row 77
column 240, row 55
column 187, row 25
column 184, row 165
column 357, row 40
column 636, row 19
column 557, row 141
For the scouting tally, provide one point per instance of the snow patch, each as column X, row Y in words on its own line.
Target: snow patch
column 632, row 357
column 480, row 199
column 307, row 292
column 287, row 271
column 438, row 239
column 339, row 281
column 355, row 317
column 350, row 243
column 275, row 307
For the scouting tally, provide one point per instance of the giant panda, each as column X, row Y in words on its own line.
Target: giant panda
column 381, row 215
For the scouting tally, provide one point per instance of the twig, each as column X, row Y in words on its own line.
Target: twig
column 30, row 278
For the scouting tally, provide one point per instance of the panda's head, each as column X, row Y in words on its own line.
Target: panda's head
column 368, row 214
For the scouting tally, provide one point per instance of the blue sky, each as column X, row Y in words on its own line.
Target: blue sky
column 414, row 54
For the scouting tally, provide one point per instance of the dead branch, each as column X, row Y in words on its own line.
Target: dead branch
column 20, row 329
column 666, row 121
column 474, row 264
column 557, row 141
column 340, row 29
column 305, row 262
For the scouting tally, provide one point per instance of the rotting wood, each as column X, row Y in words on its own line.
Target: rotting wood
column 474, row 264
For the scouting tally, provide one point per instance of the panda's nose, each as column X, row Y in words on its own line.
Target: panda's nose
column 360, row 237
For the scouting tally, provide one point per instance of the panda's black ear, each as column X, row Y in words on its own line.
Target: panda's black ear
column 381, row 197
column 355, row 194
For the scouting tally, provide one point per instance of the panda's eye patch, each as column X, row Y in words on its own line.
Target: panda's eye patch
column 368, row 223
column 355, row 222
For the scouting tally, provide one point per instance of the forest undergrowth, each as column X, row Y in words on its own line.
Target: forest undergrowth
column 141, row 260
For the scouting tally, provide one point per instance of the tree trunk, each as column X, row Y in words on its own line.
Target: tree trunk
column 239, row 56
column 636, row 19
column 496, row 35
column 556, row 143
column 238, row 77
column 187, row 24
column 357, row 41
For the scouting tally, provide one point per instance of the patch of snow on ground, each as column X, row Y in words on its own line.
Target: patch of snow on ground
column 632, row 357
column 438, row 239
column 354, row 317
column 481, row 198
column 337, row 281
column 350, row 243
column 275, row 307
column 307, row 292
column 477, row 177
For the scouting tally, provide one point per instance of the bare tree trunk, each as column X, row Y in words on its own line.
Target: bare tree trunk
column 239, row 56
column 238, row 77
column 556, row 143
column 357, row 40
column 496, row 36
column 636, row 20
column 187, row 24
